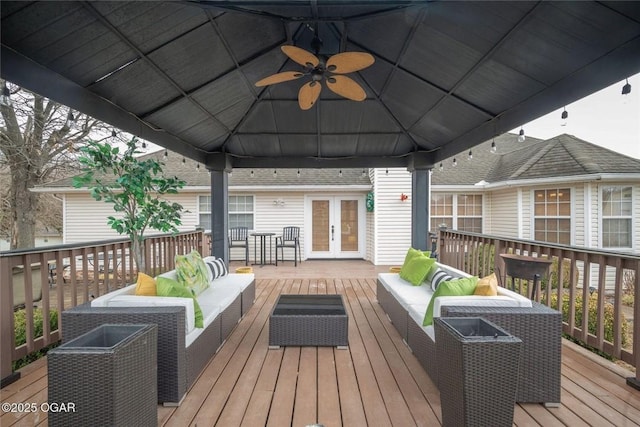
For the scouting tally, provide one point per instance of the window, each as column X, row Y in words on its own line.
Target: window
column 552, row 215
column 204, row 212
column 616, row 217
column 470, row 213
column 457, row 211
column 240, row 211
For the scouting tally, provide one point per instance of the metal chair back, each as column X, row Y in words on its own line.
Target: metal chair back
column 238, row 234
column 239, row 238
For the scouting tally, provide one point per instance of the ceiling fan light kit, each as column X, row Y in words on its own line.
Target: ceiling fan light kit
column 332, row 71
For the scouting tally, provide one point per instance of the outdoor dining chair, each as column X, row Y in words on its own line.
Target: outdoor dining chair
column 290, row 239
column 239, row 238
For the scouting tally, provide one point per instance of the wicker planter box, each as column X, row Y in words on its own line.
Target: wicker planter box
column 309, row 320
column 478, row 372
column 109, row 376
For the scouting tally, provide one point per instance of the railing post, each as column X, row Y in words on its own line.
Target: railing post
column 7, row 376
column 635, row 381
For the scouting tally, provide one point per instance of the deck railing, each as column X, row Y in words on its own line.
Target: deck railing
column 55, row 278
column 609, row 281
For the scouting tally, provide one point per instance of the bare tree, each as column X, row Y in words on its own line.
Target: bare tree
column 38, row 140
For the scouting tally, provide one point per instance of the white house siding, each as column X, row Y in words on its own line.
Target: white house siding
column 85, row 219
column 392, row 216
column 503, row 218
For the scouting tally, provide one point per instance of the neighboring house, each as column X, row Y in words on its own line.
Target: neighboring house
column 44, row 237
column 561, row 190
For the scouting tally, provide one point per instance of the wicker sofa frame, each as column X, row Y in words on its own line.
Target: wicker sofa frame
column 539, row 328
column 178, row 365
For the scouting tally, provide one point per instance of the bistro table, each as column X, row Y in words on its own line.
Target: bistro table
column 263, row 247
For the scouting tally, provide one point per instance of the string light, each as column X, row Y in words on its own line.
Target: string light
column 387, row 171
column 251, row 174
column 275, row 173
column 364, row 173
column 184, row 160
column 340, row 173
column 470, row 156
column 198, row 167
column 441, row 166
column 165, row 155
column 298, row 174
column 455, row 162
column 493, row 146
column 521, row 136
column 564, row 116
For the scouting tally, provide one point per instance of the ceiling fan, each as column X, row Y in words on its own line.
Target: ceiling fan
column 332, row 70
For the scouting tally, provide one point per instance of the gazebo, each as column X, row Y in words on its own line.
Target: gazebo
column 439, row 78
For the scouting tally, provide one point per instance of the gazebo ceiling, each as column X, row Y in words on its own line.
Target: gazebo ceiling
column 447, row 75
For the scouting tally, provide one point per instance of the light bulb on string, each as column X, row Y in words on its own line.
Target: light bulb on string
column 364, row 173
column 563, row 117
column 251, row 173
column 470, row 156
column 298, row 174
column 275, row 173
column 165, row 155
column 340, row 173
column 455, row 162
column 521, row 136
column 441, row 166
column 493, row 146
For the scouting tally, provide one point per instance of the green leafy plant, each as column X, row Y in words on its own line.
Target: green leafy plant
column 135, row 188
column 20, row 330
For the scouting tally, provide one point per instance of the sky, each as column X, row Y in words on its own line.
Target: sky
column 606, row 118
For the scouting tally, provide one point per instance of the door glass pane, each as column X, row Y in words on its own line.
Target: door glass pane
column 320, row 225
column 349, row 225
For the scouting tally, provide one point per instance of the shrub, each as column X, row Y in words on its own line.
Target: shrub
column 553, row 274
column 593, row 316
column 20, row 329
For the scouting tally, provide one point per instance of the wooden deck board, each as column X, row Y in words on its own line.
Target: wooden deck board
column 377, row 381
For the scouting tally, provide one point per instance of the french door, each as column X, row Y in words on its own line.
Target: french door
column 335, row 226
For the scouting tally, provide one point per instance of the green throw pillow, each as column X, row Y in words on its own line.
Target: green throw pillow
column 413, row 253
column 416, row 269
column 450, row 288
column 166, row 287
column 192, row 272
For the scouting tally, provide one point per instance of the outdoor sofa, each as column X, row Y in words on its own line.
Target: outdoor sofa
column 538, row 326
column 183, row 349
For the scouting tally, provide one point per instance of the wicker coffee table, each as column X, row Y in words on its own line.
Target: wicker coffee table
column 309, row 320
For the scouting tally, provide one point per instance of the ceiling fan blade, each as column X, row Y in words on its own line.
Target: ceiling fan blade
column 348, row 62
column 308, row 94
column 347, row 87
column 301, row 56
column 279, row 78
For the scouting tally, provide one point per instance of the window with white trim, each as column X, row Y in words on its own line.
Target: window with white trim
column 456, row 211
column 240, row 211
column 616, row 217
column 552, row 215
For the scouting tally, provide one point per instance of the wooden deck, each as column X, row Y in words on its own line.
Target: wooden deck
column 375, row 382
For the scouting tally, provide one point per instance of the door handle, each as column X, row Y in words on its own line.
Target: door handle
column 332, row 230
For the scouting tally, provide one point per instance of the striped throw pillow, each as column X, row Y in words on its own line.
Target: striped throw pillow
column 438, row 277
column 217, row 267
